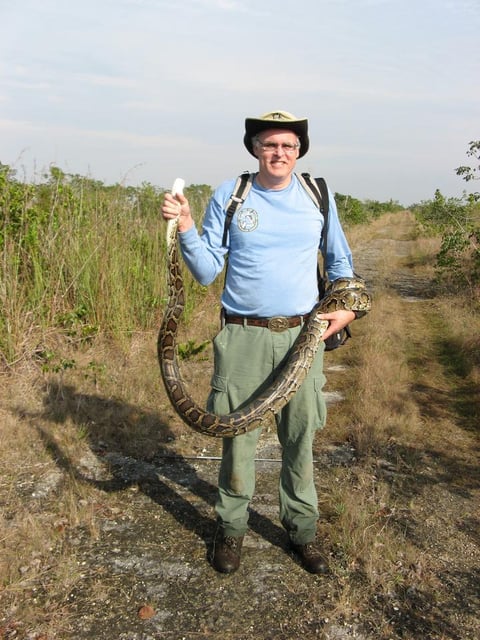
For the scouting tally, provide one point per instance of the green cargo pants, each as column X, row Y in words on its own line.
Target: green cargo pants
column 245, row 359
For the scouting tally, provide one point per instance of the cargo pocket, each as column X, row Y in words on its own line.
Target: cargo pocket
column 220, row 359
column 318, row 384
column 217, row 401
column 219, row 383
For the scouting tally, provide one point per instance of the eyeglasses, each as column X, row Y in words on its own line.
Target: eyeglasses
column 271, row 147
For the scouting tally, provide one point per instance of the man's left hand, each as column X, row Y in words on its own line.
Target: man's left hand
column 338, row 320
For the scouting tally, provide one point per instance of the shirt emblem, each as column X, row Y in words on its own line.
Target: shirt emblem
column 247, row 220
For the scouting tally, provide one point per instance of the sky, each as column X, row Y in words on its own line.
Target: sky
column 134, row 91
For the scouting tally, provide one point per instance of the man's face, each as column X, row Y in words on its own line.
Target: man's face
column 277, row 152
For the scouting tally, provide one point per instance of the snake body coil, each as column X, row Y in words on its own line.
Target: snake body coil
column 345, row 293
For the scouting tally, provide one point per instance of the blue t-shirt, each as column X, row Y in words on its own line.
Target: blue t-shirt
column 272, row 248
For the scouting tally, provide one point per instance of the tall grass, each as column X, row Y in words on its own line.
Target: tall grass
column 80, row 257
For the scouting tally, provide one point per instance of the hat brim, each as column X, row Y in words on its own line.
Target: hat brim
column 253, row 126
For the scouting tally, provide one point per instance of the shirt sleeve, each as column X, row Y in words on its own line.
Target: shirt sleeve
column 204, row 254
column 339, row 262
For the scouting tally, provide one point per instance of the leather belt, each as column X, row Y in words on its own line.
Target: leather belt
column 277, row 323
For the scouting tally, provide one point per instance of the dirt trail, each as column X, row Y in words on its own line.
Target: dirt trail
column 440, row 489
column 156, row 527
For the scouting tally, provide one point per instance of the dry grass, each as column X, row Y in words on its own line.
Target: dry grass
column 381, row 404
column 411, row 394
column 55, row 425
column 412, row 397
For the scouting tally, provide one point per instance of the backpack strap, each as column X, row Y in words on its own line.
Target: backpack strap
column 318, row 192
column 238, row 197
column 322, row 186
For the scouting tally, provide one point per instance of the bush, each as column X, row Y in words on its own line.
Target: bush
column 353, row 211
column 457, row 220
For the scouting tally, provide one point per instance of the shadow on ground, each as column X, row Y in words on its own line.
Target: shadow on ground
column 154, row 548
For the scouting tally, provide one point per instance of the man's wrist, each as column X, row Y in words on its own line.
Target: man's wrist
column 185, row 225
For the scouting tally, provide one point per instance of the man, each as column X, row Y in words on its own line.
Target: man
column 272, row 249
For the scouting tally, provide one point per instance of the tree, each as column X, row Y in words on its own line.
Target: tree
column 457, row 219
column 471, row 173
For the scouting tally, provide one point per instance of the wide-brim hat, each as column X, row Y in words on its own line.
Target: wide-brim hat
column 277, row 120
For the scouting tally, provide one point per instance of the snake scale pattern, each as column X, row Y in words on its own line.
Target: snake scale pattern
column 345, row 293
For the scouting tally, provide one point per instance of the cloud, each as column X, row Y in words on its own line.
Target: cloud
column 227, row 6
column 28, row 85
column 108, row 81
column 72, row 134
column 235, row 6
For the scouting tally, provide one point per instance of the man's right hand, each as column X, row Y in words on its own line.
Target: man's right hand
column 178, row 206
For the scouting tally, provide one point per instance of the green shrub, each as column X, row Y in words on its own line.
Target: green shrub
column 457, row 220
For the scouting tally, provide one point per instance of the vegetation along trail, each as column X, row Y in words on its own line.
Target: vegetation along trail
column 107, row 500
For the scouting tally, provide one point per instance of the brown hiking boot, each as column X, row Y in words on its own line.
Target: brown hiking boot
column 226, row 554
column 312, row 559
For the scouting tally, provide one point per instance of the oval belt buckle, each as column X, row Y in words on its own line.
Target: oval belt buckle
column 279, row 323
